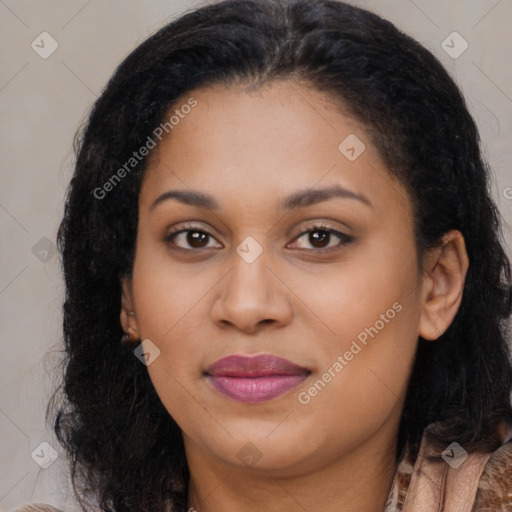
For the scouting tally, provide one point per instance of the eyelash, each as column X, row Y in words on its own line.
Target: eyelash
column 345, row 239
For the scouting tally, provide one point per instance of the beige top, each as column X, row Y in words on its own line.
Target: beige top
column 482, row 482
column 461, row 482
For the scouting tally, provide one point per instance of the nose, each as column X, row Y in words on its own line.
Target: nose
column 252, row 296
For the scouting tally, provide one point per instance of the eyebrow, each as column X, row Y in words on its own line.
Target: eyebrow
column 299, row 199
column 190, row 197
column 309, row 197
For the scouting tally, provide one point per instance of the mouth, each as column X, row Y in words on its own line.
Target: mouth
column 255, row 379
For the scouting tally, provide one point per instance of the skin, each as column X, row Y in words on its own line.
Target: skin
column 198, row 303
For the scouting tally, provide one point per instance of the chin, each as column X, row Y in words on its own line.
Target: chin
column 268, row 448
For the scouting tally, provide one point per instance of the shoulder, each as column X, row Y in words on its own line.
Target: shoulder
column 454, row 481
column 495, row 486
column 38, row 507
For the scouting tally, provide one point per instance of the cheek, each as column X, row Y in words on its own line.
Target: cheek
column 366, row 363
column 165, row 293
column 357, row 297
column 167, row 306
column 166, row 303
column 362, row 382
column 372, row 313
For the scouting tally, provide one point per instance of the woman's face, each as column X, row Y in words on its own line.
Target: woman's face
column 299, row 246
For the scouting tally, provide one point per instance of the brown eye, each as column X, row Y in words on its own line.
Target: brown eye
column 320, row 238
column 197, row 238
column 189, row 238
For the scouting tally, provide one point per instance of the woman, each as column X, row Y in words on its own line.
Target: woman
column 285, row 282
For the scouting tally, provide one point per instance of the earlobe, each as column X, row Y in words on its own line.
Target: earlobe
column 445, row 272
column 127, row 316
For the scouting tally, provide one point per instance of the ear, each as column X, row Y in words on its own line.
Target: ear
column 127, row 317
column 444, row 274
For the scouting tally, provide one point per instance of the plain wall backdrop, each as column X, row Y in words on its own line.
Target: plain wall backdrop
column 42, row 103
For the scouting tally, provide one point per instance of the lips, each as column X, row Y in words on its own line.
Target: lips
column 253, row 379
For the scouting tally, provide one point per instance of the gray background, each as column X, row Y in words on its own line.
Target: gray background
column 42, row 103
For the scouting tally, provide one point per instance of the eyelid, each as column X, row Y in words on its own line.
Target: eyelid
column 183, row 226
column 187, row 227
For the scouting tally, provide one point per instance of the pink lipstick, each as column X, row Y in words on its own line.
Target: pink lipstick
column 253, row 379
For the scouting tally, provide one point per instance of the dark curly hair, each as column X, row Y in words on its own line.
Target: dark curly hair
column 126, row 451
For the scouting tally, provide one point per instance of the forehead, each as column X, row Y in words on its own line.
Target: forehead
column 282, row 137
